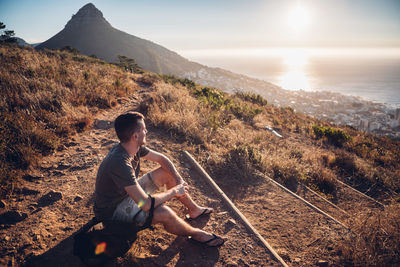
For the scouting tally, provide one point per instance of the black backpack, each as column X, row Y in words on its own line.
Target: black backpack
column 96, row 246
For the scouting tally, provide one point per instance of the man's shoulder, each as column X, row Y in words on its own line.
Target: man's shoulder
column 117, row 156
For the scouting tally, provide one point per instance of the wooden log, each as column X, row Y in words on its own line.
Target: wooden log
column 232, row 206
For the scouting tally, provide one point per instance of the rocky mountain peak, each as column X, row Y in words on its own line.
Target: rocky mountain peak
column 89, row 10
column 87, row 15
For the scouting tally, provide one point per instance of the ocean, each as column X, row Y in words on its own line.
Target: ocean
column 371, row 73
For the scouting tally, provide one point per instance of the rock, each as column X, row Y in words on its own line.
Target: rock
column 103, row 124
column 12, row 217
column 322, row 263
column 77, row 198
column 3, row 204
column 50, row 198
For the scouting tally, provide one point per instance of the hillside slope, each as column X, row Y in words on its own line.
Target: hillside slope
column 91, row 34
column 56, row 108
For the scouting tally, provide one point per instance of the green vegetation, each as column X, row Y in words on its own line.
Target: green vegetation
column 129, row 64
column 175, row 80
column 334, row 136
column 253, row 98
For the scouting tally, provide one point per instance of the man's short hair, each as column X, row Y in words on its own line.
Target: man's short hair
column 127, row 124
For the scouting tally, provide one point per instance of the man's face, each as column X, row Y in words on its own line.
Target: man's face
column 141, row 134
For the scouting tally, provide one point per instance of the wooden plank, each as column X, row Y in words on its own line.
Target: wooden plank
column 232, row 206
column 324, row 199
column 306, row 202
column 360, row 193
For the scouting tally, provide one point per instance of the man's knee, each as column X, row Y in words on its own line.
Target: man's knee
column 162, row 214
column 161, row 177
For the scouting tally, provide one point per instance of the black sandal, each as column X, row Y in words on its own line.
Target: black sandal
column 206, row 243
column 206, row 211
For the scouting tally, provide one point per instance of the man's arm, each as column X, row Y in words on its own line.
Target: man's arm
column 139, row 196
column 165, row 163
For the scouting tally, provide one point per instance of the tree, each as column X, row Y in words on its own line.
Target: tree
column 7, row 35
column 70, row 49
column 128, row 64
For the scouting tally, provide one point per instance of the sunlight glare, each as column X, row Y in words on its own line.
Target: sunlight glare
column 299, row 19
column 295, row 77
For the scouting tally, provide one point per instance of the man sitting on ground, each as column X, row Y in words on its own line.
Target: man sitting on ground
column 121, row 196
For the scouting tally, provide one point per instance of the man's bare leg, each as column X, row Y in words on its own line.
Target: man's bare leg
column 162, row 177
column 175, row 225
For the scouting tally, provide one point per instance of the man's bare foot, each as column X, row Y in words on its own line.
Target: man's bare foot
column 199, row 212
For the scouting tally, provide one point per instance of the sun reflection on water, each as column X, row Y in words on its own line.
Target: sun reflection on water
column 295, row 75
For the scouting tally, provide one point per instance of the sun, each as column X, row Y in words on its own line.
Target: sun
column 299, row 19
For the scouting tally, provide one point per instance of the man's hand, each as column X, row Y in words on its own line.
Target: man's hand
column 181, row 190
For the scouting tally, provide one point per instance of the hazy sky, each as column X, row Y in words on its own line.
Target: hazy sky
column 215, row 24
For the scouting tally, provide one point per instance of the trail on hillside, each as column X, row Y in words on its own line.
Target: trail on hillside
column 302, row 236
column 44, row 237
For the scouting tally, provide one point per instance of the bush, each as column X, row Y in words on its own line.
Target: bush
column 243, row 161
column 334, row 136
column 175, row 80
column 212, row 97
column 253, row 98
column 244, row 112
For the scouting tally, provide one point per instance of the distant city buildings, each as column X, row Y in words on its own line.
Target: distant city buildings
column 333, row 107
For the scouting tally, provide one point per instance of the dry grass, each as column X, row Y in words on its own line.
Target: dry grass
column 376, row 239
column 47, row 96
column 240, row 149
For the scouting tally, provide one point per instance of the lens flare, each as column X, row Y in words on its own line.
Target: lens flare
column 141, row 203
column 100, row 248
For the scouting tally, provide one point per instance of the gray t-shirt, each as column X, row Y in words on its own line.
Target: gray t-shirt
column 117, row 171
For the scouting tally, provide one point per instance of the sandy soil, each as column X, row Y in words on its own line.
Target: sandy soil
column 302, row 236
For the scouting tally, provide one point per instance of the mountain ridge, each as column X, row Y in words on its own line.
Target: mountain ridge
column 90, row 33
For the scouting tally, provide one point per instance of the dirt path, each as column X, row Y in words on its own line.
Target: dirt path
column 300, row 235
column 44, row 237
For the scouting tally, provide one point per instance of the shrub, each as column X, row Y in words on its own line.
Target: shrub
column 286, row 174
column 175, row 80
column 322, row 180
column 334, row 136
column 243, row 161
column 244, row 111
column 212, row 97
column 253, row 98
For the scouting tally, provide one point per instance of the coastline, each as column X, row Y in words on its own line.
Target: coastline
column 354, row 111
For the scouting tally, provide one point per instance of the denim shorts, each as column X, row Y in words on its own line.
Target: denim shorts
column 128, row 210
